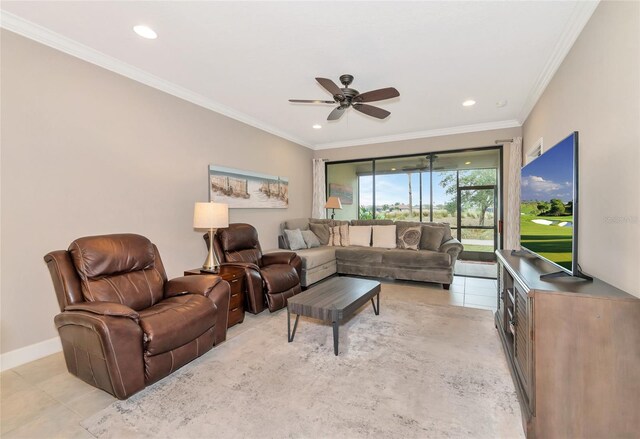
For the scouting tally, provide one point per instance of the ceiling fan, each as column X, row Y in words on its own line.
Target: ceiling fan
column 348, row 97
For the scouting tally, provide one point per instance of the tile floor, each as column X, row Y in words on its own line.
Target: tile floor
column 477, row 269
column 42, row 400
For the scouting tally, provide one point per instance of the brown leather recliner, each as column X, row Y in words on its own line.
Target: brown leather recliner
column 273, row 277
column 123, row 326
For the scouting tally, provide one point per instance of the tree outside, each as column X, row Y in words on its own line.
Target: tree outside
column 473, row 201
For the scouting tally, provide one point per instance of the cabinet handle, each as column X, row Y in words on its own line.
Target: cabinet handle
column 235, row 280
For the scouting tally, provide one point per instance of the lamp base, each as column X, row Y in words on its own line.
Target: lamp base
column 210, row 271
column 211, row 264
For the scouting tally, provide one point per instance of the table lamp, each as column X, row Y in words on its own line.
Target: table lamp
column 211, row 216
column 333, row 203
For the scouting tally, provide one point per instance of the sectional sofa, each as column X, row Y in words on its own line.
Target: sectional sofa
column 397, row 263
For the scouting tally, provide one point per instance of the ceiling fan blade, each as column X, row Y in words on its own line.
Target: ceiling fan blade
column 371, row 110
column 330, row 86
column 309, row 101
column 336, row 113
column 377, row 95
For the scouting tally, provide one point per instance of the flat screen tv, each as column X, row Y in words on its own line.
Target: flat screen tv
column 549, row 206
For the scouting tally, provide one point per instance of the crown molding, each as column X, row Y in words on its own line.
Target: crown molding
column 52, row 39
column 462, row 129
column 581, row 14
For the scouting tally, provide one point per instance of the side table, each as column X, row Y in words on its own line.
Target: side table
column 235, row 277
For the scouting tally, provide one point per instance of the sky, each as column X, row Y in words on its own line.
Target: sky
column 550, row 175
column 393, row 188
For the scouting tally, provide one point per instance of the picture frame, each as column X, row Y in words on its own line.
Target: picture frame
column 242, row 189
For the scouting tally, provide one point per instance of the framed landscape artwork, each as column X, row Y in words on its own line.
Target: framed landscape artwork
column 247, row 190
column 344, row 192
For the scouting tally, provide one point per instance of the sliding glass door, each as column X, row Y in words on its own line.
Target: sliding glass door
column 460, row 188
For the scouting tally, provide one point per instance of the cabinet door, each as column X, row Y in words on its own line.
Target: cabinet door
column 522, row 339
column 501, row 294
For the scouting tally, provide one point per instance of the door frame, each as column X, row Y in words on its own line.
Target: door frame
column 477, row 255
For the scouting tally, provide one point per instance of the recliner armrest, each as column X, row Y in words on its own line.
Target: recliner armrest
column 111, row 339
column 453, row 247
column 285, row 257
column 197, row 284
column 105, row 309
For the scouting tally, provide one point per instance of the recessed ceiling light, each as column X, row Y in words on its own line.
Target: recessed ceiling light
column 317, row 126
column 467, row 163
column 468, row 103
column 501, row 104
column 145, row 32
column 393, row 169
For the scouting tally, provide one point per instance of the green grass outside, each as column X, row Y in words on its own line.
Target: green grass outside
column 553, row 242
column 478, row 248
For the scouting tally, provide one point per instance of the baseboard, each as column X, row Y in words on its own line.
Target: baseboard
column 18, row 357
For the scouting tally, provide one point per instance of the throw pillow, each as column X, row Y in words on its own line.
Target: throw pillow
column 384, row 236
column 409, row 237
column 432, row 237
column 334, row 236
column 360, row 236
column 310, row 239
column 344, row 235
column 321, row 231
column 296, row 241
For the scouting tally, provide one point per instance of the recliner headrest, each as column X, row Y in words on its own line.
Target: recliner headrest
column 238, row 237
column 97, row 256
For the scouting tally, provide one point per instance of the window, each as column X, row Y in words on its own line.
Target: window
column 456, row 187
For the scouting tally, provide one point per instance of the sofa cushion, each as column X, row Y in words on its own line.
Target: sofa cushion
column 425, row 237
column 310, row 239
column 372, row 222
column 434, row 237
column 384, row 236
column 408, row 236
column 314, row 257
column 321, row 231
column 361, row 255
column 360, row 236
column 415, row 259
column 176, row 321
column 297, row 223
column 295, row 239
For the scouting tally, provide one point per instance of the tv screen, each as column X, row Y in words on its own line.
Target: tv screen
column 547, row 198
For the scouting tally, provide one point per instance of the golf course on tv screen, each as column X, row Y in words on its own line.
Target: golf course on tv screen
column 546, row 206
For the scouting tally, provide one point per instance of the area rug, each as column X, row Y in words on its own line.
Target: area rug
column 415, row 371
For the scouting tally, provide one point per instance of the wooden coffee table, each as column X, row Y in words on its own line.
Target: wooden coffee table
column 333, row 301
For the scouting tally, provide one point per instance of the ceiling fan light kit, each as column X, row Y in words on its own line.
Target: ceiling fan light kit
column 348, row 97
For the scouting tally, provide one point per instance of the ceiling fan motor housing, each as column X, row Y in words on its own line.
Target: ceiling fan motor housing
column 346, row 79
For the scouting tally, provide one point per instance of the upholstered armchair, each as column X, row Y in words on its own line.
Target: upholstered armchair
column 271, row 278
column 123, row 325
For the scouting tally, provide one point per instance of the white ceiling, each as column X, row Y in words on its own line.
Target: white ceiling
column 245, row 59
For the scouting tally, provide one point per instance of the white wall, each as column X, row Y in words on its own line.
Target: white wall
column 596, row 91
column 86, row 151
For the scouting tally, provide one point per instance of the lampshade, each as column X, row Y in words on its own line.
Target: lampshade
column 210, row 216
column 333, row 203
